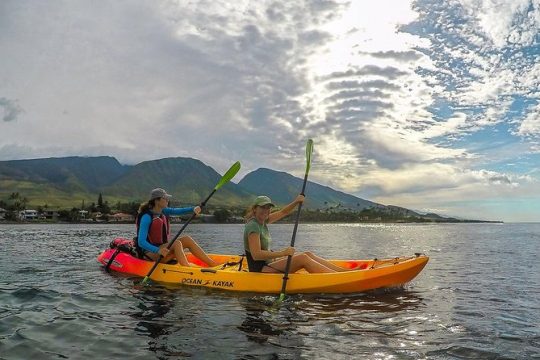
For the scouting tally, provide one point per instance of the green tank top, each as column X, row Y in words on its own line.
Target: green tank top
column 253, row 226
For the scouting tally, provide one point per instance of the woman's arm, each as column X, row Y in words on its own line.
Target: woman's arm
column 142, row 236
column 257, row 253
column 278, row 215
column 180, row 211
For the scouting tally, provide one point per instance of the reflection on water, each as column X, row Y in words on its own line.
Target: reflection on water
column 153, row 304
column 258, row 325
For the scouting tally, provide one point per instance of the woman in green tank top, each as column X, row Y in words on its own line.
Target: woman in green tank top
column 257, row 242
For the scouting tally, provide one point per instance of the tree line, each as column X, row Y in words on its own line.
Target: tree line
column 17, row 202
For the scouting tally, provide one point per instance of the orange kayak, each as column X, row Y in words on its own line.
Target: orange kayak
column 232, row 274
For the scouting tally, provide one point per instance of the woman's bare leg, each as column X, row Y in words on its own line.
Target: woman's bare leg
column 300, row 261
column 178, row 252
column 164, row 260
column 196, row 250
column 325, row 262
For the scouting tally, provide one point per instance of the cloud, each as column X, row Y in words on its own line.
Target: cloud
column 10, row 110
column 505, row 22
column 177, row 69
column 448, row 127
column 388, row 72
column 530, row 126
column 478, row 65
column 469, row 194
column 402, row 56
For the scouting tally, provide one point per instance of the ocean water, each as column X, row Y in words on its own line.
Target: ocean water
column 478, row 298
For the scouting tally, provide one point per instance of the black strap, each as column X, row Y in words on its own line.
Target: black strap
column 232, row 263
column 107, row 267
column 241, row 262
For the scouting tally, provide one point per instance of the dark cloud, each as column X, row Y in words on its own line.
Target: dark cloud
column 389, row 72
column 324, row 10
column 275, row 13
column 403, row 56
column 362, row 104
column 313, row 37
column 11, row 109
column 348, row 94
column 354, row 84
column 499, row 179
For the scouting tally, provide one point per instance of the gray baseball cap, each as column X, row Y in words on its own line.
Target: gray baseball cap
column 159, row 193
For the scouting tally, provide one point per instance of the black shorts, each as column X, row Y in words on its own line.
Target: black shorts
column 254, row 265
column 257, row 265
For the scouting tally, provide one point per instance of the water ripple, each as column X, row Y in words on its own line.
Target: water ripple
column 464, row 305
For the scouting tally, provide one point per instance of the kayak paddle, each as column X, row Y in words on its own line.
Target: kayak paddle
column 224, row 179
column 309, row 151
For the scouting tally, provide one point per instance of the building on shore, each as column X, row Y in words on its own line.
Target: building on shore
column 83, row 214
column 121, row 217
column 28, row 214
column 49, row 214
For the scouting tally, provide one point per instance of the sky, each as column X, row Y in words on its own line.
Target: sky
column 431, row 105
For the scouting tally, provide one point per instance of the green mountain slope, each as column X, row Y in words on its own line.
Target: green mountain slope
column 188, row 180
column 70, row 174
column 67, row 182
column 283, row 187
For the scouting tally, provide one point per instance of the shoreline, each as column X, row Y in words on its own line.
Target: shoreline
column 2, row 222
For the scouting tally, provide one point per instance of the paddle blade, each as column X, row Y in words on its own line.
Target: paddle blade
column 309, row 151
column 228, row 175
column 145, row 280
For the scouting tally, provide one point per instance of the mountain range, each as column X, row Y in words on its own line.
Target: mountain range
column 67, row 181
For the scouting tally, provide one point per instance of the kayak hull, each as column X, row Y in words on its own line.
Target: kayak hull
column 371, row 274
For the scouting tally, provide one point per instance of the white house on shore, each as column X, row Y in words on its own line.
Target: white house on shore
column 28, row 214
column 83, row 214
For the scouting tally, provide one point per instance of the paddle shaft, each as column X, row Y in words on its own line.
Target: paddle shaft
column 293, row 239
column 177, row 235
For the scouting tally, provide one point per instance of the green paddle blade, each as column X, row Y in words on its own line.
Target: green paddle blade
column 309, row 151
column 228, row 175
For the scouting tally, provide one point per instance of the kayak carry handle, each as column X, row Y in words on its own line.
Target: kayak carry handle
column 213, row 271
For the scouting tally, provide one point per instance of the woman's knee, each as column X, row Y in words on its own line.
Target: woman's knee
column 187, row 240
column 178, row 245
column 302, row 258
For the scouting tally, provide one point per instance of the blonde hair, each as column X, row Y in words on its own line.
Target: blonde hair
column 250, row 213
